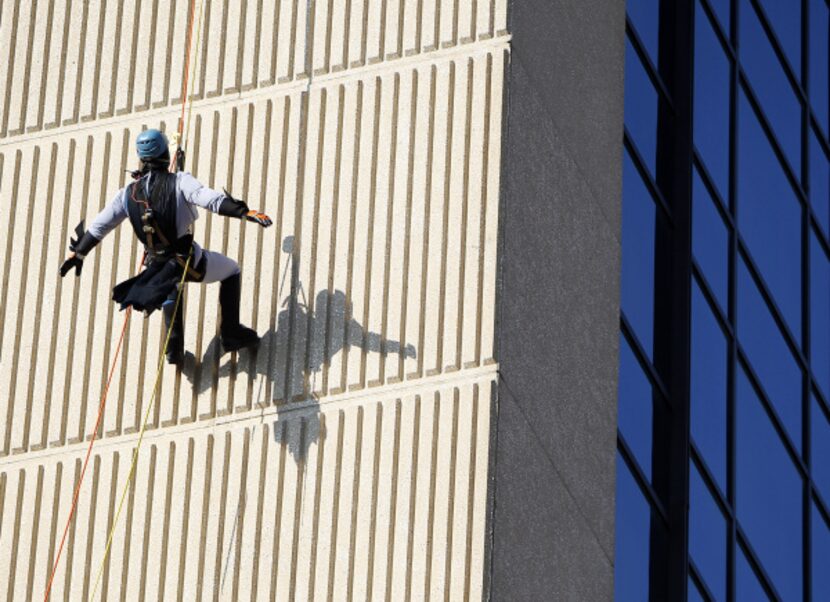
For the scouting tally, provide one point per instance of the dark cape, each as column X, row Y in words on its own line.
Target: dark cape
column 151, row 288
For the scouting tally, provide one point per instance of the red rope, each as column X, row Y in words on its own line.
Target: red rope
column 186, row 77
column 88, row 454
column 123, row 330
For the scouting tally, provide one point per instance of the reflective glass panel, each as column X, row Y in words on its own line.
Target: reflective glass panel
column 769, row 355
column 769, row 494
column 785, row 18
column 819, row 183
column 710, row 241
column 747, row 586
column 821, row 556
column 632, row 539
column 820, row 315
column 769, row 82
column 820, row 451
column 639, row 220
column 708, row 387
column 640, row 108
column 819, row 78
column 711, row 105
column 769, row 217
column 707, row 535
column 634, row 413
column 645, row 16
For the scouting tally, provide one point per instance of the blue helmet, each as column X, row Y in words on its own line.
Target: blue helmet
column 151, row 144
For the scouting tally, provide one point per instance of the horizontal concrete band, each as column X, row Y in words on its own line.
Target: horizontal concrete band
column 307, row 408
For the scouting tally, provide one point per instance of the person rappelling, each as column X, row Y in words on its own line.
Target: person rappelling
column 161, row 207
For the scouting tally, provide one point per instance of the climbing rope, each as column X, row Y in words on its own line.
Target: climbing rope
column 150, row 406
column 187, row 105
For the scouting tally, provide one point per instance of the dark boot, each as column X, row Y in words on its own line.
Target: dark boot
column 234, row 336
column 175, row 346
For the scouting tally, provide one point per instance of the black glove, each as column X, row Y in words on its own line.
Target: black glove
column 80, row 247
column 72, row 261
column 258, row 218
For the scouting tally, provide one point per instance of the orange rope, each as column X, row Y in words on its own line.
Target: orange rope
column 186, row 78
column 88, row 452
column 123, row 331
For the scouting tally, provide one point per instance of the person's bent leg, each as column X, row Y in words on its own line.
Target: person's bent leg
column 234, row 336
column 175, row 345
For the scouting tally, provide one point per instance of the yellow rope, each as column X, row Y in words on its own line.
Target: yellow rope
column 182, row 142
column 186, row 132
column 141, row 432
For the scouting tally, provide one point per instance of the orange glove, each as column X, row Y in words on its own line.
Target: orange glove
column 259, row 218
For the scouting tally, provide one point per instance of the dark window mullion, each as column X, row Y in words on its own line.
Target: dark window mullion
column 697, row 578
column 711, row 484
column 772, row 306
column 776, row 421
column 807, row 376
column 651, row 496
column 640, row 164
column 822, row 505
column 777, row 47
column 732, row 365
column 720, row 204
column 669, row 570
column 642, row 358
column 755, row 563
column 648, row 65
column 714, row 306
column 758, row 111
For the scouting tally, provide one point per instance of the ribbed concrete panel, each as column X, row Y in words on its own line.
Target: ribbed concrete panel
column 379, row 269
column 384, row 498
column 347, row 457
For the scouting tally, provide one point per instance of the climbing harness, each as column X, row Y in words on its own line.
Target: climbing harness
column 178, row 161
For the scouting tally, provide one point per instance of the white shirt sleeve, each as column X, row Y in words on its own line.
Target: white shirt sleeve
column 197, row 194
column 112, row 215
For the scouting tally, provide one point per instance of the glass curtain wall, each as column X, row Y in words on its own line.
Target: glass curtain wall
column 725, row 327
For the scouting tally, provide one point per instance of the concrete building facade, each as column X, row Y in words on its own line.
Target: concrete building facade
column 432, row 411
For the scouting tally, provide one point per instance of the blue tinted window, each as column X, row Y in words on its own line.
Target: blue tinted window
column 707, row 535
column 632, row 540
column 645, row 16
column 821, row 557
column 819, row 25
column 820, row 315
column 770, row 84
column 640, row 108
column 635, row 409
column 710, row 241
column 747, row 586
column 769, row 355
column 819, row 183
column 708, row 387
column 769, row 217
column 769, row 494
column 711, row 104
column 820, row 451
column 639, row 220
column 785, row 17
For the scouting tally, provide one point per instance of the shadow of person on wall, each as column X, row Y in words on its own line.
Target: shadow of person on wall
column 289, row 362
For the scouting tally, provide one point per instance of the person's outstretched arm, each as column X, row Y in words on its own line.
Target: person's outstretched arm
column 112, row 215
column 219, row 202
